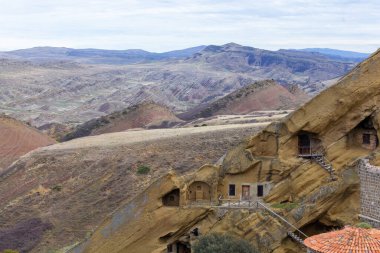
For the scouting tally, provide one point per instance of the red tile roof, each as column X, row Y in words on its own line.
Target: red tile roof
column 347, row 240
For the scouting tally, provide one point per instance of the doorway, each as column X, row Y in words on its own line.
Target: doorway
column 260, row 190
column 246, row 192
column 304, row 147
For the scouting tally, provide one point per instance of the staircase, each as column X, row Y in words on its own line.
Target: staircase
column 324, row 163
column 286, row 224
column 296, row 237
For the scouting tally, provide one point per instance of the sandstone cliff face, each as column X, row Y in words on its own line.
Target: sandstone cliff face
column 320, row 200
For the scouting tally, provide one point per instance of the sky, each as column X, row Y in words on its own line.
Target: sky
column 164, row 25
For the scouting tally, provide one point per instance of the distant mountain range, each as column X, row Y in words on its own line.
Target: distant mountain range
column 102, row 56
column 60, row 85
column 97, row 56
column 338, row 54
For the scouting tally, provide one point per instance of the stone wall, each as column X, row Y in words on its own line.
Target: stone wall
column 369, row 192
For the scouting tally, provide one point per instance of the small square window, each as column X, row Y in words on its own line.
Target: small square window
column 366, row 139
column 199, row 187
column 232, row 190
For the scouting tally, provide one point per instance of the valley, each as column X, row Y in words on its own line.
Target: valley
column 73, row 92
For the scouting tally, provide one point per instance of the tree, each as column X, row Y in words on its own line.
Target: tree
column 222, row 243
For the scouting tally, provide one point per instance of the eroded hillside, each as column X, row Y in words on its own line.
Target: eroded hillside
column 64, row 191
column 17, row 139
column 72, row 92
column 138, row 116
column 259, row 96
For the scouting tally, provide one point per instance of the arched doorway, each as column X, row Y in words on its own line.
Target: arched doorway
column 171, row 198
column 199, row 191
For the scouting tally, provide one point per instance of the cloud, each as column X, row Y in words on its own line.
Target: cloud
column 161, row 25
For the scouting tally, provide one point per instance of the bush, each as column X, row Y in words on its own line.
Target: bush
column 143, row 170
column 287, row 206
column 57, row 188
column 220, row 243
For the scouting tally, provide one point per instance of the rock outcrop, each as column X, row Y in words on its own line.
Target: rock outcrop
column 340, row 125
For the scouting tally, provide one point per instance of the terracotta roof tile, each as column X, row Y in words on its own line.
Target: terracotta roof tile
column 347, row 240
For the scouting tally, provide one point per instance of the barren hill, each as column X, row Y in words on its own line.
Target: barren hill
column 17, row 139
column 136, row 116
column 261, row 95
column 65, row 190
column 73, row 93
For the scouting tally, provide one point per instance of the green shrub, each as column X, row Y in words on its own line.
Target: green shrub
column 221, row 243
column 142, row 169
column 204, row 124
column 9, row 251
column 57, row 188
column 364, row 225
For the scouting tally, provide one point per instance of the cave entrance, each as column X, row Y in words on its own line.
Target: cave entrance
column 172, row 198
column 179, row 247
column 364, row 135
column 308, row 144
column 199, row 191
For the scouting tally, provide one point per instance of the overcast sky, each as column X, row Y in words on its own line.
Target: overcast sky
column 162, row 25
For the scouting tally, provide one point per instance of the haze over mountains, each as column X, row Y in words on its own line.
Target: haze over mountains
column 45, row 85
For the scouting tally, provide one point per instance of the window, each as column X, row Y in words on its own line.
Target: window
column 366, row 139
column 231, row 190
column 260, row 190
column 199, row 187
